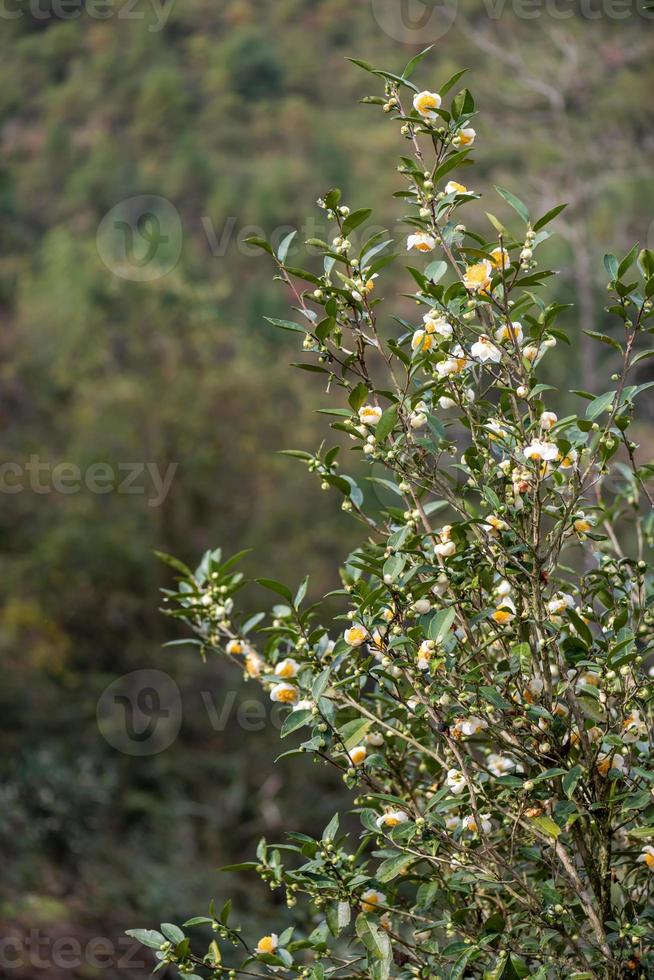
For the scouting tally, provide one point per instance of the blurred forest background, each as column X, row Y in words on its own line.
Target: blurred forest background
column 239, row 113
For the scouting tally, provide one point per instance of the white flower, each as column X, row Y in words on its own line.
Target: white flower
column 392, row 818
column 446, row 402
column 357, row 755
column 500, row 765
column 267, row 944
column 453, row 822
column 370, row 414
column 533, row 690
column 505, row 611
column 483, row 350
column 456, row 781
column 647, row 856
column 496, row 430
column 569, row 461
column 466, row 137
column 254, row 664
column 541, row 450
column 512, row 333
column 453, row 187
column 422, row 341
column 422, row 241
column 633, row 728
column 606, row 761
column 425, row 103
column 500, row 258
column 371, row 899
column 478, row 276
column 469, row 823
column 503, row 589
column 560, row 602
column 583, row 524
column 235, row 647
column 376, row 739
column 422, row 606
column 304, row 705
column 287, row 668
column 494, row 526
column 355, row 635
column 418, row 417
column 445, row 549
column 284, row 694
column 438, row 324
column 468, row 727
column 548, row 420
column 425, row 653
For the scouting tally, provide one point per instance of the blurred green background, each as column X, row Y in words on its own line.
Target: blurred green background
column 220, row 117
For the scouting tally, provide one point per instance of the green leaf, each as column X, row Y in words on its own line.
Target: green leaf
column 321, row 682
column 441, row 624
column 515, row 203
column 571, row 779
column 386, row 423
column 354, row 732
column 147, row 937
column 260, row 243
column 286, row 325
column 547, row 826
column 611, row 266
column 413, row 64
column 355, row 219
column 600, row 404
column 269, row 583
column 172, row 932
column 435, row 271
column 549, row 216
column 358, row 396
column 330, row 831
column 284, row 246
column 451, row 82
column 392, row 867
column 296, row 719
column 377, row 943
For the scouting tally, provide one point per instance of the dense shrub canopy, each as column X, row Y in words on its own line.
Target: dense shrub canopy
column 487, row 698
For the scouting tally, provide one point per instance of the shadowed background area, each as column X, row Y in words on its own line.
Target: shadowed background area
column 143, row 397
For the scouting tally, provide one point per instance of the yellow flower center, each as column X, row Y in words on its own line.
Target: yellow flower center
column 266, row 944
column 502, row 615
column 427, row 103
column 288, row 695
column 649, row 860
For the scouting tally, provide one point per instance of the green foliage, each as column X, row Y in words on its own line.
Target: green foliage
column 488, row 701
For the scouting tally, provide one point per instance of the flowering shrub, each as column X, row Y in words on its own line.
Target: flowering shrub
column 486, row 698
